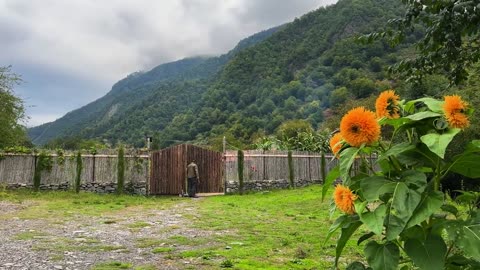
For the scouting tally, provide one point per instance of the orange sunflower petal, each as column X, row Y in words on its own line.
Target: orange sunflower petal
column 386, row 105
column 454, row 109
column 335, row 144
column 344, row 199
column 359, row 126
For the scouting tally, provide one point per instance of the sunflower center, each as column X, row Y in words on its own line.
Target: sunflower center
column 355, row 129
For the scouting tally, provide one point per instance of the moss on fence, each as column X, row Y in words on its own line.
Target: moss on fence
column 240, row 171
column 79, row 168
column 43, row 163
column 121, row 170
column 291, row 175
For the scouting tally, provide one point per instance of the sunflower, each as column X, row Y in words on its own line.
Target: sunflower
column 335, row 143
column 386, row 105
column 359, row 126
column 344, row 199
column 455, row 111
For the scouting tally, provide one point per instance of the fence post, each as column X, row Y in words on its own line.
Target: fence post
column 323, row 171
column 290, row 169
column 240, row 170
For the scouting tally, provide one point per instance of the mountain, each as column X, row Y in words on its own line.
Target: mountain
column 92, row 120
column 296, row 71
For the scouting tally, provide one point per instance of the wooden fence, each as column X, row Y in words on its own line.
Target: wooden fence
column 20, row 169
column 273, row 165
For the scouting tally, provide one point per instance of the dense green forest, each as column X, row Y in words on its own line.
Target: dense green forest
column 308, row 69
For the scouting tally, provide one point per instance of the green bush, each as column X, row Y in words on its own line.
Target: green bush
column 121, row 170
column 240, row 171
column 79, row 172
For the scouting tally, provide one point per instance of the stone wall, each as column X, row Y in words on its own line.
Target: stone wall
column 137, row 188
column 261, row 185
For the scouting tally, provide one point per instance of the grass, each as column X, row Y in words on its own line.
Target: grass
column 162, row 249
column 282, row 229
column 66, row 205
column 112, row 265
column 29, row 235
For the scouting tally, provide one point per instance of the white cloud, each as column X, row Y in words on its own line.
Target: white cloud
column 95, row 43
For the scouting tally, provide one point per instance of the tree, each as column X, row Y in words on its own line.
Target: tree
column 292, row 128
column 449, row 45
column 12, row 111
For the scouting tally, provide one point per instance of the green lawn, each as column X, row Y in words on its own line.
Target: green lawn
column 283, row 229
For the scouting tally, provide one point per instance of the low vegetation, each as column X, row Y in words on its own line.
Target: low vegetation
column 270, row 230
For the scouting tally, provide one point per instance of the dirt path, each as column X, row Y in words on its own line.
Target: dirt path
column 145, row 239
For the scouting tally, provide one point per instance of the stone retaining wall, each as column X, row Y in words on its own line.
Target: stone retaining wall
column 130, row 188
column 261, row 185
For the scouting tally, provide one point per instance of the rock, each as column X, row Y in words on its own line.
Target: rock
column 58, row 267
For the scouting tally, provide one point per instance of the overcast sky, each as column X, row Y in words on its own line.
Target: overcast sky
column 71, row 52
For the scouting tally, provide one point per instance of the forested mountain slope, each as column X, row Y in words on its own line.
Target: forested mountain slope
column 296, row 71
column 308, row 66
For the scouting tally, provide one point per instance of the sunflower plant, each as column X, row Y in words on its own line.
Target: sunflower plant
column 397, row 198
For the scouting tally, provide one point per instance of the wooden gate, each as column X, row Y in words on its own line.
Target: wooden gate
column 168, row 170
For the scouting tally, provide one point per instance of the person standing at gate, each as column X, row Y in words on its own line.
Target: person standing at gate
column 192, row 179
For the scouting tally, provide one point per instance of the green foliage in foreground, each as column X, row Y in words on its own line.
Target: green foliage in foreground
column 399, row 200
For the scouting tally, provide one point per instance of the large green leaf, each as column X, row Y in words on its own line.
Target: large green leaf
column 404, row 202
column 469, row 241
column 374, row 220
column 433, row 104
column 429, row 205
column 422, row 115
column 332, row 175
column 415, row 180
column 394, row 226
column 396, row 123
column 382, row 257
column 467, row 165
column 339, row 222
column 473, row 147
column 437, row 143
column 347, row 157
column 370, row 186
column 428, row 254
column 396, row 149
column 347, row 232
column 356, row 266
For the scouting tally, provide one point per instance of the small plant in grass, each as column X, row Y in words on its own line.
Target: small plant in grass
column 112, row 265
column 121, row 170
column 162, row 249
column 226, row 264
column 408, row 220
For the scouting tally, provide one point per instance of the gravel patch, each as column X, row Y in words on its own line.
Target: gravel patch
column 127, row 236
